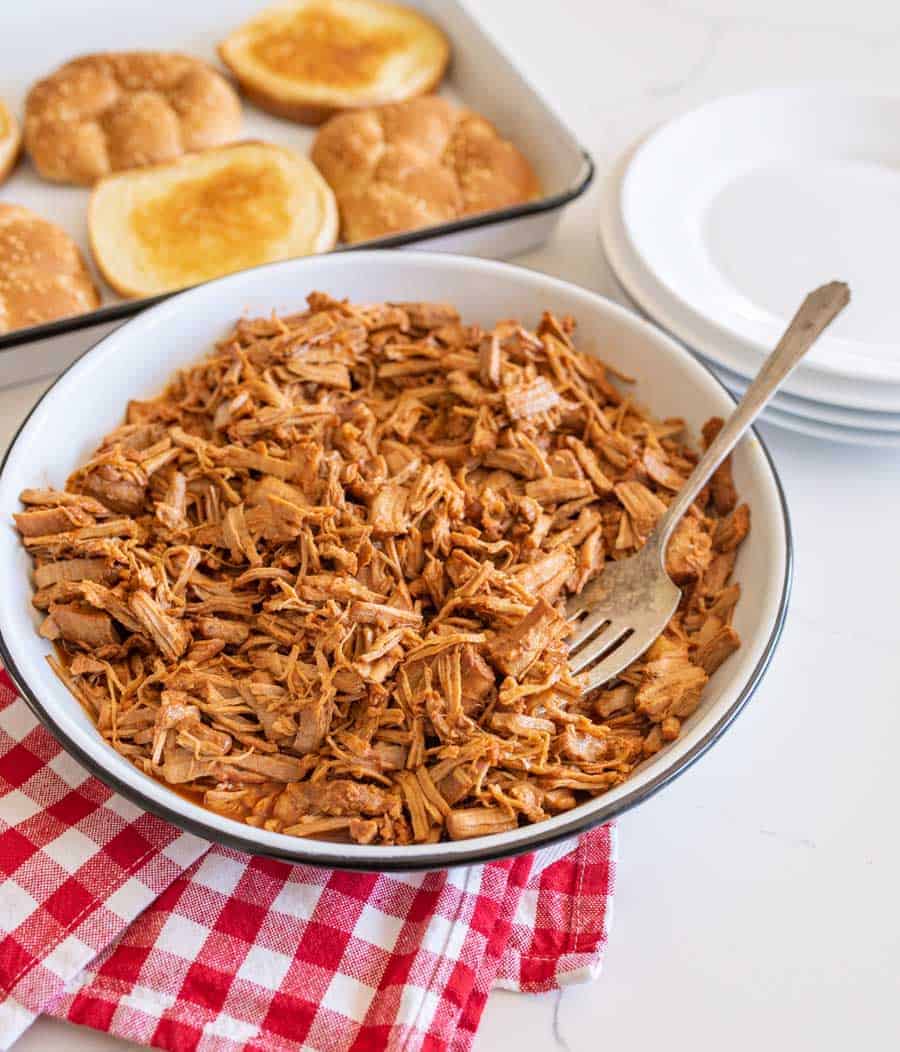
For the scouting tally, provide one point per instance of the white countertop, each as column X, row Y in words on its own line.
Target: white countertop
column 757, row 895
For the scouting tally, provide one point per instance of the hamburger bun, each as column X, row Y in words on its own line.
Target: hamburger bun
column 167, row 227
column 426, row 161
column 308, row 59
column 42, row 273
column 109, row 112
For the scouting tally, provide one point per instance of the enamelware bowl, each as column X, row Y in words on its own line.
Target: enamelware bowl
column 137, row 360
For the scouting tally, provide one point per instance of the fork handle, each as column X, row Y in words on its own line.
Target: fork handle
column 816, row 313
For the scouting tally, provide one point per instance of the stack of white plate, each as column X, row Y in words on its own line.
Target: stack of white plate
column 721, row 221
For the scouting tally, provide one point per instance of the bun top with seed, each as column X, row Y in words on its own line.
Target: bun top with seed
column 42, row 273
column 107, row 112
column 307, row 59
column 426, row 161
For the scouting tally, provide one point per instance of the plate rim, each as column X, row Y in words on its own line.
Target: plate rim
column 826, row 431
column 784, row 405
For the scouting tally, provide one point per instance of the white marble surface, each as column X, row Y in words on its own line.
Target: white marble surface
column 757, row 901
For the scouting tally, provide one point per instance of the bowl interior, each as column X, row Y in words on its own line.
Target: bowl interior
column 137, row 360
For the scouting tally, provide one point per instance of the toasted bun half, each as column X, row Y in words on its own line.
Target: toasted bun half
column 174, row 225
column 417, row 163
column 308, row 59
column 108, row 112
column 42, row 273
column 10, row 141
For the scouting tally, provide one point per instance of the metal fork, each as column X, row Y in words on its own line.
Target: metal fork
column 626, row 608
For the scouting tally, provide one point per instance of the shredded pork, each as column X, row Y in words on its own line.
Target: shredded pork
column 320, row 581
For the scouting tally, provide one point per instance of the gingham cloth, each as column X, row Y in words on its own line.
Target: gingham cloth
column 112, row 918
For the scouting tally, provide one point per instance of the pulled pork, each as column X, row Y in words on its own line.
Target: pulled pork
column 320, row 581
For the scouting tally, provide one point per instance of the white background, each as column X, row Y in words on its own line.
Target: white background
column 757, row 903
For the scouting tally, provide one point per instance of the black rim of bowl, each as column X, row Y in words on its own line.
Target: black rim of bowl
column 579, row 823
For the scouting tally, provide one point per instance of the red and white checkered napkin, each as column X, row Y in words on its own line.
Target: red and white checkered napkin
column 113, row 918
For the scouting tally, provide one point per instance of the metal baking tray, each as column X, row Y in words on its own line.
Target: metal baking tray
column 46, row 33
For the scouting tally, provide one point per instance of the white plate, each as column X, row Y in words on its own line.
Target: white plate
column 835, row 416
column 652, row 297
column 816, row 428
column 845, row 436
column 743, row 205
column 136, row 360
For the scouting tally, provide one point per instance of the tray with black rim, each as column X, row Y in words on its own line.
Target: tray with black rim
column 480, row 76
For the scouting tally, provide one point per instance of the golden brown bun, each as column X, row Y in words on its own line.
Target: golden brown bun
column 308, row 59
column 42, row 273
column 418, row 163
column 104, row 113
column 174, row 225
column 10, row 141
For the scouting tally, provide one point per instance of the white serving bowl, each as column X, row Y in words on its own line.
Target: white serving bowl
column 136, row 360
